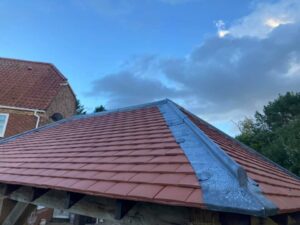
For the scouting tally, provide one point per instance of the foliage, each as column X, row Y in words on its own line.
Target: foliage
column 80, row 110
column 100, row 108
column 276, row 132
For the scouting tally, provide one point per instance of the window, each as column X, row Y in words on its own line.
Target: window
column 3, row 123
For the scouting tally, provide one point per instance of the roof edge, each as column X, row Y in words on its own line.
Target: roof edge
column 21, row 108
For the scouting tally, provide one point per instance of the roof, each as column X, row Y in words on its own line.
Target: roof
column 28, row 84
column 157, row 152
column 18, row 123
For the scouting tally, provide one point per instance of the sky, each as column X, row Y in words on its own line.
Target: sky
column 221, row 59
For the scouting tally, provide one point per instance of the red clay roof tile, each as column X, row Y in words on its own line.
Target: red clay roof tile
column 123, row 176
column 173, row 193
column 145, row 190
column 83, row 184
column 124, row 153
column 101, row 186
column 28, row 84
column 121, row 189
column 195, row 196
column 145, row 177
column 129, row 155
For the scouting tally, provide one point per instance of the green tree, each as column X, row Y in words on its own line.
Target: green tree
column 281, row 111
column 100, row 108
column 276, row 131
column 80, row 110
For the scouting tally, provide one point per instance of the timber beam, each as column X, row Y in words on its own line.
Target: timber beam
column 73, row 202
column 122, row 207
column 6, row 205
column 7, row 189
column 106, row 209
column 16, row 213
column 72, row 199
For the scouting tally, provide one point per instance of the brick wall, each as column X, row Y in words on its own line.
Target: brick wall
column 20, row 121
column 64, row 103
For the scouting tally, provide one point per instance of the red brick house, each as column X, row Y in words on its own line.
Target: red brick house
column 32, row 94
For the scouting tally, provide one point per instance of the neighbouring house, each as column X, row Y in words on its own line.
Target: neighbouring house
column 32, row 94
column 151, row 164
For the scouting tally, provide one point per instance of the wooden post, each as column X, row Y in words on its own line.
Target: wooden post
column 21, row 209
column 6, row 205
column 122, row 207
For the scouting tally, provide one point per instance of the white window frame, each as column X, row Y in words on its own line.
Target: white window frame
column 5, row 124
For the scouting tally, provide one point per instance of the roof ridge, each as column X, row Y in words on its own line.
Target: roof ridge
column 26, row 61
column 55, row 69
column 244, row 189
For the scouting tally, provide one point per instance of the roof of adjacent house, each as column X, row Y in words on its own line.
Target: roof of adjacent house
column 28, row 84
column 157, row 152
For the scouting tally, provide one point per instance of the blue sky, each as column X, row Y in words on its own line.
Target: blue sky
column 204, row 54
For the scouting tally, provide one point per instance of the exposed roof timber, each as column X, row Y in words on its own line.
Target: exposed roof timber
column 122, row 207
column 73, row 202
column 73, row 199
column 37, row 193
column 7, row 189
column 17, row 212
column 105, row 208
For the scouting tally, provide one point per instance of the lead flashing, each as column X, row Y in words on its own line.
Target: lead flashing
column 224, row 183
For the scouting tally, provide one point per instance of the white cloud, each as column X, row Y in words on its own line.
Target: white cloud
column 225, row 78
column 273, row 22
column 222, row 32
column 266, row 17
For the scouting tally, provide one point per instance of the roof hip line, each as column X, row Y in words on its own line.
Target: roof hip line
column 238, row 171
column 225, row 184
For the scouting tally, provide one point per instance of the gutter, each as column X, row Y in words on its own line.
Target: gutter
column 35, row 111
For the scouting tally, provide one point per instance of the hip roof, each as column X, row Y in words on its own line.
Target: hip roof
column 157, row 152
